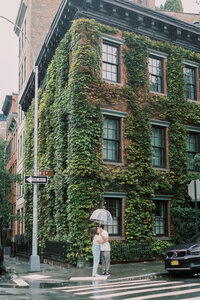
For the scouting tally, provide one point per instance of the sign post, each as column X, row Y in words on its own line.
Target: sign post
column 194, row 193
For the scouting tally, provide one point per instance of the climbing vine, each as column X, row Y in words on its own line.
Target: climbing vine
column 71, row 132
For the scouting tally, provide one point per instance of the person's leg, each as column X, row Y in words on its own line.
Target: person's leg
column 103, row 262
column 107, row 261
column 96, row 259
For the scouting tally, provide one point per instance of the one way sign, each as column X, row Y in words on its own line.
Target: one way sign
column 36, row 179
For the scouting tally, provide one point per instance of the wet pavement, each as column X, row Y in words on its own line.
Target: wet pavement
column 142, row 280
column 15, row 266
column 18, row 283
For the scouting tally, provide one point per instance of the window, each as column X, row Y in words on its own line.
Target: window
column 160, row 227
column 159, row 146
column 18, row 221
column 111, row 140
column 114, row 206
column 156, row 74
column 24, row 68
column 193, row 149
column 20, row 147
column 190, row 79
column 110, row 59
column 22, row 220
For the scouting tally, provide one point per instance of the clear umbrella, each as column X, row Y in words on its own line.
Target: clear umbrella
column 101, row 216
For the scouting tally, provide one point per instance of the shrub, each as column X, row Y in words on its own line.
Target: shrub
column 183, row 224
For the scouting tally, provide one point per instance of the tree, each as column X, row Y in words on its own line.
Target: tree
column 6, row 178
column 173, row 5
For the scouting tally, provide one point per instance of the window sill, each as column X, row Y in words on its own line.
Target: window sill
column 157, row 93
column 193, row 101
column 163, row 238
column 161, row 169
column 113, row 82
column 116, row 238
column 113, row 163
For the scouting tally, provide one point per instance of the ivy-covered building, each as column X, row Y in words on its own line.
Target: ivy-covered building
column 119, row 123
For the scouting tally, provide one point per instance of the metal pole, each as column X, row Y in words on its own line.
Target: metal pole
column 196, row 209
column 34, row 259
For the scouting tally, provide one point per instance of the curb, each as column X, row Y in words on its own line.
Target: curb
column 141, row 276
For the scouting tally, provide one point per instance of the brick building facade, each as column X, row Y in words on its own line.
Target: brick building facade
column 145, row 80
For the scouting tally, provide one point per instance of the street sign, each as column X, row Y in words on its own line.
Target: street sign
column 36, row 179
column 46, row 173
column 191, row 190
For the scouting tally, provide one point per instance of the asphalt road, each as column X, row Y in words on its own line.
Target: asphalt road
column 36, row 288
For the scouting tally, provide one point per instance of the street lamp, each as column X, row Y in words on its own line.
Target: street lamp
column 34, row 258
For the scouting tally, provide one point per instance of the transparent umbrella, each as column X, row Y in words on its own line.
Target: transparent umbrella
column 101, row 216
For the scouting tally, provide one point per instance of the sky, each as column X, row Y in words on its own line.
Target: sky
column 8, row 50
column 9, row 44
column 188, row 5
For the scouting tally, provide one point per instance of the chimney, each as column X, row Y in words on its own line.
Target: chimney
column 147, row 3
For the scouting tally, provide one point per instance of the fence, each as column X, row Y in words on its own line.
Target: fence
column 125, row 252
column 21, row 246
column 56, row 250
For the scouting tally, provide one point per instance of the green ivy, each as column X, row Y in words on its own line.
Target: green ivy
column 71, row 131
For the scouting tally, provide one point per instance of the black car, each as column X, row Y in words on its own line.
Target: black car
column 183, row 258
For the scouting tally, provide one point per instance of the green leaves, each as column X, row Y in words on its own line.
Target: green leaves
column 71, row 131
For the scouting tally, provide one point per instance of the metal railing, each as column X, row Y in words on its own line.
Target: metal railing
column 130, row 252
column 56, row 249
column 120, row 252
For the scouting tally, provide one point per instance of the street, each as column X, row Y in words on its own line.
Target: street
column 40, row 287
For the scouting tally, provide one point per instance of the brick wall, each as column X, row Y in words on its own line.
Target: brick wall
column 186, row 17
column 147, row 3
column 42, row 15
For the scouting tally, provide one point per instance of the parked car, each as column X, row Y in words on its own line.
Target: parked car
column 183, row 258
column 1, row 256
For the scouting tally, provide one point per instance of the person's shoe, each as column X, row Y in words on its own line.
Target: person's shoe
column 103, row 273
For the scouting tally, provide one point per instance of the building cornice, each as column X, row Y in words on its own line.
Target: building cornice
column 7, row 105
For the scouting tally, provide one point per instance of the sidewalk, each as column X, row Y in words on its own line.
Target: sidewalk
column 14, row 266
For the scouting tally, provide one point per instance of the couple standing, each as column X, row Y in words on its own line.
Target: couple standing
column 101, row 245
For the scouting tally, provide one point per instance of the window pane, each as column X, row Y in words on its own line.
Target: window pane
column 110, row 62
column 159, row 147
column 190, row 82
column 193, row 149
column 114, row 206
column 160, row 227
column 111, row 145
column 156, row 74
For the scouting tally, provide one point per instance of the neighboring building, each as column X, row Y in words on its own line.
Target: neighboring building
column 186, row 17
column 10, row 108
column 34, row 18
column 3, row 126
column 133, row 151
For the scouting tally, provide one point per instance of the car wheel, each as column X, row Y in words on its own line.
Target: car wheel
column 174, row 273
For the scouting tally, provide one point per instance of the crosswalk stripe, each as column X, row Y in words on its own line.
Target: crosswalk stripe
column 111, row 285
column 128, row 288
column 191, row 298
column 144, row 291
column 185, row 292
column 20, row 282
column 100, row 284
